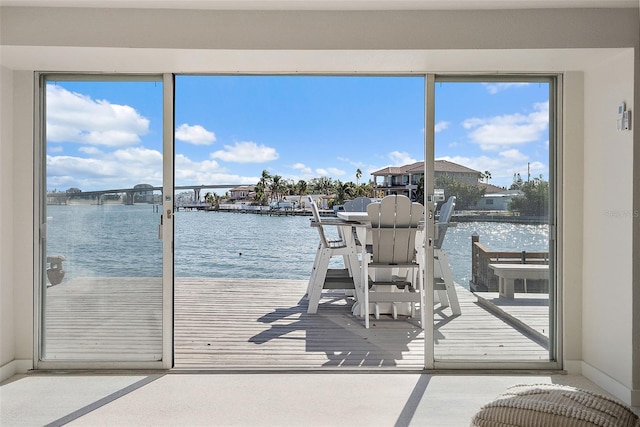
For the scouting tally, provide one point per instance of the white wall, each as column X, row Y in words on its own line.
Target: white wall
column 608, row 219
column 18, row 264
column 7, row 349
column 597, row 261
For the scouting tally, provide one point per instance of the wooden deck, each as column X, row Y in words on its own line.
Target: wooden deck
column 528, row 312
column 263, row 324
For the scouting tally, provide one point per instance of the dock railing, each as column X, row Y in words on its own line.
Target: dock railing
column 482, row 277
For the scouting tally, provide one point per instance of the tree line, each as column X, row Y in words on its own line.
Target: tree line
column 273, row 188
column 534, row 200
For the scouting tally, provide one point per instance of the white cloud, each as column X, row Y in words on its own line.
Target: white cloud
column 196, row 134
column 330, row 172
column 513, row 155
column 120, row 169
column 130, row 166
column 90, row 150
column 499, row 132
column 138, row 157
column 335, row 171
column 304, row 169
column 399, row 158
column 246, row 152
column 189, row 172
column 440, row 126
column 494, row 88
column 74, row 117
column 502, row 166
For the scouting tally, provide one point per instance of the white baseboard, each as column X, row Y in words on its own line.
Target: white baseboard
column 573, row 367
column 619, row 390
column 15, row 367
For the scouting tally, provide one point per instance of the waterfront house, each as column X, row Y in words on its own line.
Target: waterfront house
column 498, row 200
column 404, row 179
column 242, row 193
column 591, row 48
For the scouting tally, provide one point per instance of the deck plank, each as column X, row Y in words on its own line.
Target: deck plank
column 256, row 324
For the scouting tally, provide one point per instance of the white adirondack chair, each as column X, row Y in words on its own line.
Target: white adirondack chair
column 322, row 277
column 393, row 268
column 443, row 283
column 359, row 204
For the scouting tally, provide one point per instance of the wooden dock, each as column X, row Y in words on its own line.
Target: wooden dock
column 263, row 324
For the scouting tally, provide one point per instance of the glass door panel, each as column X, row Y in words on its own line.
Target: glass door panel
column 250, row 151
column 492, row 161
column 102, row 294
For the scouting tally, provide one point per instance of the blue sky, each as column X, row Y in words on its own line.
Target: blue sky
column 229, row 128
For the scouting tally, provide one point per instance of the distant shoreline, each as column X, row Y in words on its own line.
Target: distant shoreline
column 460, row 216
column 475, row 216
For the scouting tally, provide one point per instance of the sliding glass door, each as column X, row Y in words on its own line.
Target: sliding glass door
column 102, row 297
column 480, row 153
column 493, row 176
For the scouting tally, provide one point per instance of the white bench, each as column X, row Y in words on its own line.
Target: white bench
column 507, row 273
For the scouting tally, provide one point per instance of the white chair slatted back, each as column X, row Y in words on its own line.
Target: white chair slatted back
column 316, row 217
column 394, row 222
column 446, row 211
column 360, row 204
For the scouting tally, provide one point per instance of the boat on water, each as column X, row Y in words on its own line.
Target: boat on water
column 282, row 205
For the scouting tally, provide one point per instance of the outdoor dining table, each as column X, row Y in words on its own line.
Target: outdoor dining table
column 358, row 220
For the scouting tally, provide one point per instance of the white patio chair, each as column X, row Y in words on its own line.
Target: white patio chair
column 348, row 206
column 443, row 283
column 359, row 204
column 322, row 277
column 393, row 268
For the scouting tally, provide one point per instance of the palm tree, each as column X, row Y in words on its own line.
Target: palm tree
column 276, row 186
column 322, row 185
column 291, row 187
column 260, row 196
column 213, row 200
column 358, row 175
column 265, row 179
column 343, row 191
column 340, row 192
column 487, row 176
column 261, row 187
column 302, row 187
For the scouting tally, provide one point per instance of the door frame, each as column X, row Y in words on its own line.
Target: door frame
column 39, row 196
column 555, row 82
column 168, row 79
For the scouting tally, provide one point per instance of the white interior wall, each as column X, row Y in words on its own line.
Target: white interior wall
column 112, row 40
column 608, row 220
column 22, row 259
column 7, row 349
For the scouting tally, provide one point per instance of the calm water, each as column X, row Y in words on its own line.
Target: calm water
column 118, row 240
